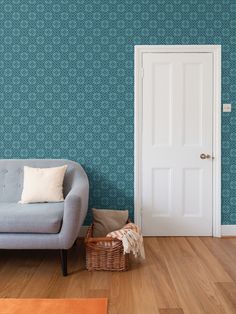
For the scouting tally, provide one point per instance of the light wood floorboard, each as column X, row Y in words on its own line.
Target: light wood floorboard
column 180, row 275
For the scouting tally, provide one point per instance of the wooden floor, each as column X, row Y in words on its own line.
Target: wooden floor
column 180, row 275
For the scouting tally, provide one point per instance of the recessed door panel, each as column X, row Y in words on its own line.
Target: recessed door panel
column 192, row 102
column 192, row 193
column 161, row 104
column 161, row 192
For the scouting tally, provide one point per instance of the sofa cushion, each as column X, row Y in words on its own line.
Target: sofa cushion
column 31, row 218
column 108, row 220
column 43, row 184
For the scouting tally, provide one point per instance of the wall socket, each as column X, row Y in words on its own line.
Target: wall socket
column 226, row 107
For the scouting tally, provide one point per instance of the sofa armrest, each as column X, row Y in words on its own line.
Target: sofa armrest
column 75, row 208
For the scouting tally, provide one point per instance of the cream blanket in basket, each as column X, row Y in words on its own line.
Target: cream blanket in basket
column 131, row 238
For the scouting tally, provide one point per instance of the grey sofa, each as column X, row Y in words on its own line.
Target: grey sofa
column 41, row 225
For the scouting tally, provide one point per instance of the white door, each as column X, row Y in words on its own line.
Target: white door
column 177, row 141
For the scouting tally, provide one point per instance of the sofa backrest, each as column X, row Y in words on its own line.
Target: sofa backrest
column 12, row 171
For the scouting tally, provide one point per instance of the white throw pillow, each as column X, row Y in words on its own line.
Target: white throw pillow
column 43, row 185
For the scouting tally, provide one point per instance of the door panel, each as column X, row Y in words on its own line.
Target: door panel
column 192, row 104
column 162, row 105
column 192, row 186
column 176, row 130
column 162, row 191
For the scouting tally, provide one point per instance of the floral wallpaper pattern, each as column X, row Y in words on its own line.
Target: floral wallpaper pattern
column 66, row 83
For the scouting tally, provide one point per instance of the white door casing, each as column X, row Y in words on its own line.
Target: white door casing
column 175, row 122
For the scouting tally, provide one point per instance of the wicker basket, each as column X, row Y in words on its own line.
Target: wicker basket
column 102, row 257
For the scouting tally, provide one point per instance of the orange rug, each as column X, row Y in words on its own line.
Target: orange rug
column 53, row 306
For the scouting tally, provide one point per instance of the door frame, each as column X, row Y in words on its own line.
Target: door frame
column 216, row 149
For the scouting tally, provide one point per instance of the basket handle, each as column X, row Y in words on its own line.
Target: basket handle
column 95, row 240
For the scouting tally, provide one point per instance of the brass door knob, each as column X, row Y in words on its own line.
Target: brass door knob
column 205, row 156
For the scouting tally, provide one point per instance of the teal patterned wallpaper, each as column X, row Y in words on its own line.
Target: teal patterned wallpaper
column 66, row 82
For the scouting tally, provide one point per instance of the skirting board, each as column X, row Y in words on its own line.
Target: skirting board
column 228, row 230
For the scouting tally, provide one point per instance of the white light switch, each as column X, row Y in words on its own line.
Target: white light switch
column 226, row 107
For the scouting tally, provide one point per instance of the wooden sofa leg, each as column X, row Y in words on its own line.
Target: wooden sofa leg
column 64, row 262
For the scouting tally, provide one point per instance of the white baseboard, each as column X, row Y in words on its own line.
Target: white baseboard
column 228, row 230
column 83, row 231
